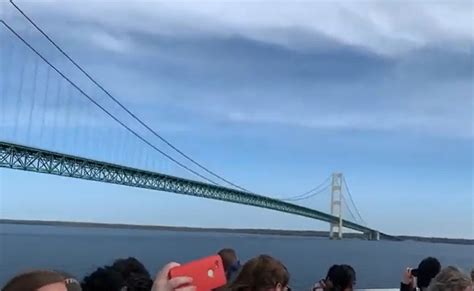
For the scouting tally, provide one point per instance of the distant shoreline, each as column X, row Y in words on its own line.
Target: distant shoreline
column 279, row 232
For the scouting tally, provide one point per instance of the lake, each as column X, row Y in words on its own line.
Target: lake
column 80, row 250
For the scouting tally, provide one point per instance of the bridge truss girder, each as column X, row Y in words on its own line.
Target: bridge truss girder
column 25, row 158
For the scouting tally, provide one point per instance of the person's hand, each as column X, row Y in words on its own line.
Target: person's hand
column 164, row 283
column 321, row 285
column 407, row 277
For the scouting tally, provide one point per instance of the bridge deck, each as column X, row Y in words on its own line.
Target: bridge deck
column 25, row 158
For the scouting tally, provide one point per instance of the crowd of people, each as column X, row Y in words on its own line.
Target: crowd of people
column 262, row 273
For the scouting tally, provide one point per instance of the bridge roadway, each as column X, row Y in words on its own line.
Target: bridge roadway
column 14, row 156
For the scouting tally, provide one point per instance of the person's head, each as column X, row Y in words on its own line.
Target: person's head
column 262, row 273
column 427, row 270
column 451, row 279
column 105, row 278
column 134, row 273
column 340, row 277
column 230, row 261
column 352, row 275
column 138, row 282
column 42, row 280
column 128, row 266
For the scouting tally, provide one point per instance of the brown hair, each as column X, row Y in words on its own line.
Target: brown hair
column 228, row 257
column 260, row 273
column 450, row 279
column 34, row 280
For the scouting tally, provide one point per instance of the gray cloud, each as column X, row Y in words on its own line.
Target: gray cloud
column 383, row 67
column 388, row 27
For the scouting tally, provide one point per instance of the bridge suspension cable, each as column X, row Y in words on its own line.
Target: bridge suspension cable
column 351, row 213
column 120, row 104
column 309, row 196
column 310, row 193
column 136, row 134
column 352, row 201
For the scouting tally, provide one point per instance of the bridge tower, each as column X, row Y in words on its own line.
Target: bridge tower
column 336, row 206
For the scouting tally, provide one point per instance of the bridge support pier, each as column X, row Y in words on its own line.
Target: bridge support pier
column 373, row 235
column 335, row 229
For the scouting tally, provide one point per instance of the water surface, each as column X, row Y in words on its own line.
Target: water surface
column 80, row 250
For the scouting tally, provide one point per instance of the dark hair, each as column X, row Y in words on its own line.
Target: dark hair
column 261, row 273
column 136, row 276
column 138, row 282
column 427, row 270
column 34, row 280
column 128, row 266
column 341, row 277
column 351, row 272
column 105, row 278
column 228, row 257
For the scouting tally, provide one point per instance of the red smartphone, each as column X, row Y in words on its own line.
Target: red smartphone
column 207, row 273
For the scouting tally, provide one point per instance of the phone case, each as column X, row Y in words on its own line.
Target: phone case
column 207, row 273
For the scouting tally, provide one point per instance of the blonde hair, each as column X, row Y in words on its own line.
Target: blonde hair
column 450, row 279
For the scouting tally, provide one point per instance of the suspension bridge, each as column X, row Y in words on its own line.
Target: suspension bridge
column 57, row 119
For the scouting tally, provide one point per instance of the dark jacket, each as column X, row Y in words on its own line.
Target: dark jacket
column 406, row 287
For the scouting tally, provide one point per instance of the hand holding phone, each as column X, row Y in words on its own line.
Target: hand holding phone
column 164, row 283
column 207, row 273
column 407, row 277
column 320, row 286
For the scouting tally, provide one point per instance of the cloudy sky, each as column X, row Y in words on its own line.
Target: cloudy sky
column 275, row 96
